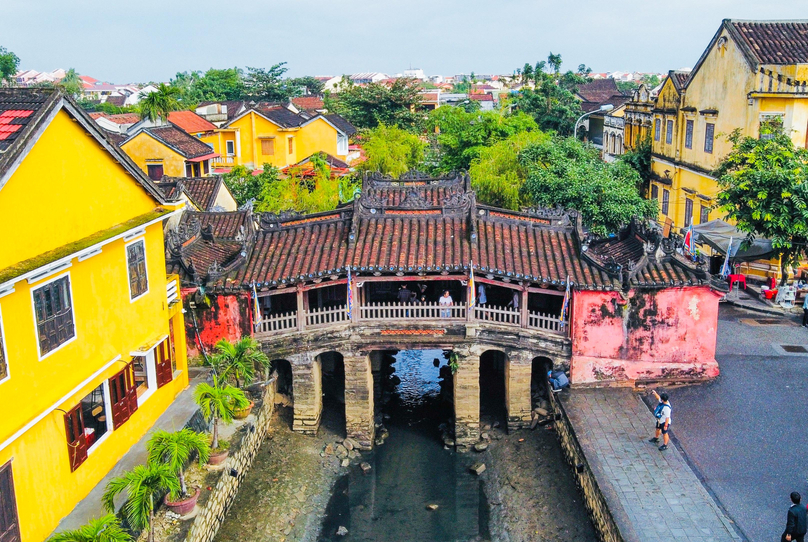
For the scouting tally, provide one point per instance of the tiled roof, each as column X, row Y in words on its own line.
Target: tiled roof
column 172, row 189
column 124, row 118
column 116, row 100
column 234, row 107
column 679, row 78
column 190, row 122
column 341, row 123
column 332, row 161
column 309, row 103
column 18, row 109
column 186, row 145
column 774, row 42
column 97, row 115
column 281, row 116
column 481, row 97
column 598, row 90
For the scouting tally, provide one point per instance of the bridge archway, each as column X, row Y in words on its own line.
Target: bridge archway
column 283, row 370
column 493, row 389
column 538, row 379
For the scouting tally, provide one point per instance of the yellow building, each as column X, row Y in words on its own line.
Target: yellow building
column 751, row 72
column 92, row 341
column 269, row 133
column 168, row 150
column 638, row 117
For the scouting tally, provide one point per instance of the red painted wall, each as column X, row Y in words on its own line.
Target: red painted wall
column 228, row 317
column 655, row 335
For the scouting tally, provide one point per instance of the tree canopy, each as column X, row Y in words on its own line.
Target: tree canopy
column 9, row 63
column 245, row 186
column 764, row 189
column 71, row 84
column 377, row 103
column 391, row 150
column 566, row 172
column 214, row 84
column 160, row 103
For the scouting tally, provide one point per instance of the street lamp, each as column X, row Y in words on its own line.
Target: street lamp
column 604, row 107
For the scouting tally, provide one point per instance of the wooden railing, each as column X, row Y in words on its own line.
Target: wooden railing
column 546, row 322
column 324, row 317
column 172, row 289
column 497, row 315
column 286, row 321
column 415, row 311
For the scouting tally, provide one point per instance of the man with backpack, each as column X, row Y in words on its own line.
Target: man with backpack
column 662, row 413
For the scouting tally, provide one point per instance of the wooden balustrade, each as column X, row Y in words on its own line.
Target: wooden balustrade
column 326, row 316
column 415, row 311
column 286, row 321
column 546, row 322
column 497, row 315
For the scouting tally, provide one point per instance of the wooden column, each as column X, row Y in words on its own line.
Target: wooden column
column 301, row 309
column 359, row 399
column 357, row 302
column 523, row 307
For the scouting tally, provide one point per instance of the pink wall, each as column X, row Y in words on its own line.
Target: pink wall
column 229, row 317
column 655, row 335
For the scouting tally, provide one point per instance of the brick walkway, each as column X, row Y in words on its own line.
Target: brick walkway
column 653, row 496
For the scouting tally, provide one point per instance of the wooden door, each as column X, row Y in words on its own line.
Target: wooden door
column 120, row 398
column 163, row 363
column 76, row 441
column 9, row 523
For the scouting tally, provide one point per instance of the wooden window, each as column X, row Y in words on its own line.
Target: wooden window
column 54, row 314
column 657, row 129
column 189, row 169
column 704, row 214
column 231, row 147
column 268, row 147
column 76, row 442
column 164, row 355
column 688, row 212
column 291, row 143
column 654, row 191
column 666, row 196
column 689, row 134
column 155, row 171
column 9, row 522
column 123, row 394
column 709, row 135
column 136, row 264
column 669, row 132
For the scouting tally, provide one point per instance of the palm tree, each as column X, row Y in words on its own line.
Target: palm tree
column 175, row 450
column 160, row 103
column 144, row 485
column 238, row 360
column 218, row 403
column 103, row 529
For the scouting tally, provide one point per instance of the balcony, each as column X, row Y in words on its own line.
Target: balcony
column 224, row 161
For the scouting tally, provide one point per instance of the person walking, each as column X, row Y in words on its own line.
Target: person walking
column 662, row 413
column 805, row 312
column 796, row 521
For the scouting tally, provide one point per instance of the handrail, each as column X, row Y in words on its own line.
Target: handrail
column 326, row 316
column 412, row 311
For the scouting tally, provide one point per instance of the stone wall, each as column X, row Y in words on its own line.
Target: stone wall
column 593, row 498
column 211, row 517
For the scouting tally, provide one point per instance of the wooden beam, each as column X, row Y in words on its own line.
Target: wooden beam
column 408, row 278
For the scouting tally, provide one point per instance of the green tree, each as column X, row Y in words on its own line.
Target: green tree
column 214, row 84
column 9, row 64
column 218, row 402
column 176, row 450
column 144, row 486
column 269, row 84
column 764, row 189
column 71, row 84
column 304, row 193
column 245, row 186
column 309, row 83
column 497, row 175
column 639, row 158
column 391, row 150
column 527, row 73
column 376, row 103
column 160, row 103
column 569, row 173
column 104, row 529
column 238, row 360
column 461, row 135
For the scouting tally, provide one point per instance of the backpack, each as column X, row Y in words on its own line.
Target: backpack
column 658, row 410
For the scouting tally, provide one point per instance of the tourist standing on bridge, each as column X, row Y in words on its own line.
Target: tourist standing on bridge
column 404, row 294
column 514, row 301
column 445, row 301
column 662, row 413
column 796, row 521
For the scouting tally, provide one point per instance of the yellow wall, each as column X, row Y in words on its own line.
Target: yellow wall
column 45, row 214
column 144, row 147
column 107, row 323
column 317, row 136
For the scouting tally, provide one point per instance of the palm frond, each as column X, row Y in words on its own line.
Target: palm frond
column 103, row 529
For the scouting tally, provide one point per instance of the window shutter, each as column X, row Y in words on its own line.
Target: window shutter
column 120, row 399
column 164, row 371
column 76, row 442
column 131, row 388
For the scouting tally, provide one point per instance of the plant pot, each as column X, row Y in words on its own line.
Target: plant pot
column 241, row 413
column 183, row 506
column 217, row 458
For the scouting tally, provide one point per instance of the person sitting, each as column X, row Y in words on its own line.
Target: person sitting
column 558, row 380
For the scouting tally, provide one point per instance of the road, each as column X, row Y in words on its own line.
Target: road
column 745, row 433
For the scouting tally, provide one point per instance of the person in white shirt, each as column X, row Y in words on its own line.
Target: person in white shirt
column 445, row 301
column 662, row 413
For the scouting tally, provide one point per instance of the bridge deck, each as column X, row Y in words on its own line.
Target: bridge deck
column 652, row 495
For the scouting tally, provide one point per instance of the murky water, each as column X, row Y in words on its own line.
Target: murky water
column 411, row 470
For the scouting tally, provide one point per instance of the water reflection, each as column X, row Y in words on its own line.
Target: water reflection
column 411, row 469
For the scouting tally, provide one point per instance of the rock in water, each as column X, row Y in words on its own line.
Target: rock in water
column 431, row 506
column 485, row 436
column 481, row 447
column 540, row 411
column 341, row 451
column 349, row 444
column 365, row 467
column 328, row 449
column 342, row 531
column 478, row 468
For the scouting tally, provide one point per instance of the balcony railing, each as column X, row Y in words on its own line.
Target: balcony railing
column 224, row 160
column 409, row 313
column 172, row 289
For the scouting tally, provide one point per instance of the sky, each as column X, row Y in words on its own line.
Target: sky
column 152, row 40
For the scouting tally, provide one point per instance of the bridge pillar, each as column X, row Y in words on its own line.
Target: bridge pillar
column 518, row 373
column 467, row 399
column 308, row 393
column 359, row 399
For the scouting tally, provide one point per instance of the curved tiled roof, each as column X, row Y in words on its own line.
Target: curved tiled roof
column 774, row 42
column 186, row 145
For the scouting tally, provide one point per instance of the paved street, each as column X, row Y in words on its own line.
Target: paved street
column 653, row 496
column 745, row 433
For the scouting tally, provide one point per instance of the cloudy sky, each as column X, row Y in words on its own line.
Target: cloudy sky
column 151, row 40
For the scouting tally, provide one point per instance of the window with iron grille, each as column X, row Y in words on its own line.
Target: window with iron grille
column 54, row 314
column 689, row 134
column 688, row 212
column 704, row 214
column 709, row 135
column 669, row 132
column 136, row 262
column 657, row 129
column 654, row 191
column 666, row 195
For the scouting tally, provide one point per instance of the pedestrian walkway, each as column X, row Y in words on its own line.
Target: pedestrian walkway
column 653, row 496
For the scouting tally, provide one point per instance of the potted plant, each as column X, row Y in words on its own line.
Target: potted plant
column 175, row 450
column 237, row 362
column 218, row 402
column 104, row 529
column 144, row 485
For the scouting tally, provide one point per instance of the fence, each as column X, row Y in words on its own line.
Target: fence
column 497, row 315
column 326, row 316
column 547, row 322
column 286, row 321
column 417, row 311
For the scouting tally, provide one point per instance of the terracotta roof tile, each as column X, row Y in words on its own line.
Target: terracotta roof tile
column 124, row 118
column 309, row 103
column 186, row 145
column 18, row 108
column 775, row 42
column 190, row 122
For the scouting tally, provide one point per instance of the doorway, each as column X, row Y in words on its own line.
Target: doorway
column 333, row 372
column 9, row 523
column 492, row 388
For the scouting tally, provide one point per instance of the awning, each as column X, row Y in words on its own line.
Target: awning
column 204, row 157
column 717, row 234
